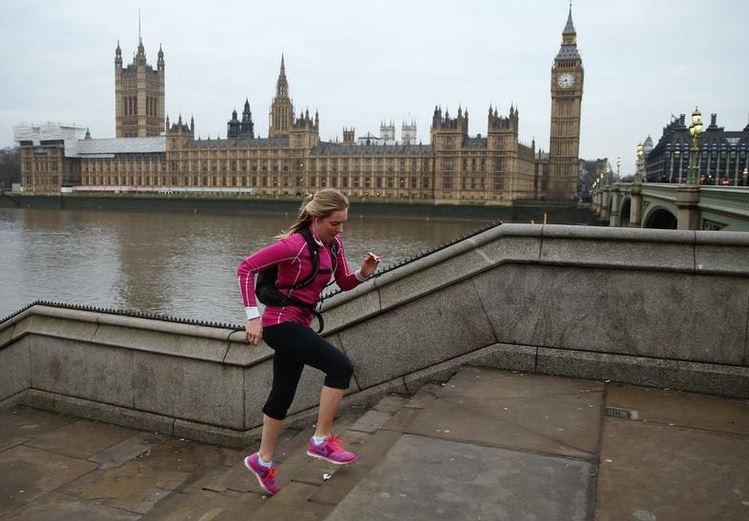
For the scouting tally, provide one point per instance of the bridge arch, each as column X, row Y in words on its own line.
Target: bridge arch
column 660, row 217
column 624, row 210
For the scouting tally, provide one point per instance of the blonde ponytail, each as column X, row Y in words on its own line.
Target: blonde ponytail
column 318, row 205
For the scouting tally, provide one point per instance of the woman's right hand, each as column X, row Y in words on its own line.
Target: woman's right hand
column 254, row 331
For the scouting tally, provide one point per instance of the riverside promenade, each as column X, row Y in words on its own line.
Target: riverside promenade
column 485, row 445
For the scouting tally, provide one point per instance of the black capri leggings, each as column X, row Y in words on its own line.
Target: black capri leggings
column 296, row 346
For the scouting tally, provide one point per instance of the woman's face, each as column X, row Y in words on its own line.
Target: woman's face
column 328, row 227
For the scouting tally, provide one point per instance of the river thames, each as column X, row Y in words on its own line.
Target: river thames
column 170, row 263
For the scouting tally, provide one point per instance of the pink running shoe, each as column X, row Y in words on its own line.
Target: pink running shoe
column 331, row 450
column 266, row 476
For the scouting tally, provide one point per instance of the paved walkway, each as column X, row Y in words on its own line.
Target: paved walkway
column 486, row 445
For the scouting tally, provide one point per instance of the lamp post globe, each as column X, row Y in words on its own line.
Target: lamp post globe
column 695, row 129
column 639, row 165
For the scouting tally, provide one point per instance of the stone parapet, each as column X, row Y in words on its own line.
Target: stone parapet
column 651, row 307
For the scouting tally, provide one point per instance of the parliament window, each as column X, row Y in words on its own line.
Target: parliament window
column 498, row 182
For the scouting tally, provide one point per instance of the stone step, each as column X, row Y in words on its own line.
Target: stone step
column 310, row 489
column 299, row 476
column 486, row 445
column 315, row 487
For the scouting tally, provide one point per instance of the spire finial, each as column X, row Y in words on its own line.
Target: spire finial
column 140, row 39
column 569, row 26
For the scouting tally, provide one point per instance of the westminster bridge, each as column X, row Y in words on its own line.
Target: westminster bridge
column 673, row 206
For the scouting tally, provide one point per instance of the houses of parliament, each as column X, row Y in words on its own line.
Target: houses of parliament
column 150, row 153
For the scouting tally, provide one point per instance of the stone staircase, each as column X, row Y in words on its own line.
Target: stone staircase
column 310, row 489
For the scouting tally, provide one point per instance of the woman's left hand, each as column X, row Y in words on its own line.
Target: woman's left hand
column 369, row 265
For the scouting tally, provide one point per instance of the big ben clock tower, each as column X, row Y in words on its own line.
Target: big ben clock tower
column 566, row 97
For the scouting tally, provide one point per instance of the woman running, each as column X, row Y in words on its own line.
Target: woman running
column 286, row 328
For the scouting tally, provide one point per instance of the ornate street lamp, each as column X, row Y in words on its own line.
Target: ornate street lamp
column 618, row 167
column 640, row 159
column 695, row 129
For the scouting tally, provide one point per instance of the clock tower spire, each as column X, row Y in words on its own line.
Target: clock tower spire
column 564, row 134
column 281, row 110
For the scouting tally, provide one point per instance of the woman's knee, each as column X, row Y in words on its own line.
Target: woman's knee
column 340, row 377
column 278, row 408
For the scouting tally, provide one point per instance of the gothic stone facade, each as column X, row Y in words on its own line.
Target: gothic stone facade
column 493, row 168
column 139, row 95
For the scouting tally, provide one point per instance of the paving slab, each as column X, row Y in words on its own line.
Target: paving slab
column 657, row 472
column 313, row 511
column 19, row 424
column 243, row 508
column 231, row 456
column 125, row 488
column 402, row 420
column 427, row 479
column 59, row 507
column 199, row 505
column 284, row 505
column 681, row 408
column 391, row 403
column 27, row 473
column 371, row 421
column 127, row 450
column 82, row 439
column 213, row 480
column 538, row 413
column 424, row 396
column 141, row 483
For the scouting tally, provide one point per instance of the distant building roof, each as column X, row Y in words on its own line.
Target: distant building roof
column 568, row 52
column 48, row 132
column 121, row 145
column 252, row 142
column 338, row 149
column 76, row 144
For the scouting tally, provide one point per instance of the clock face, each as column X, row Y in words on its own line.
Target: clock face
column 566, row 80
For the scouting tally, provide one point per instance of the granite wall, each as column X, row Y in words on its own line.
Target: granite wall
column 650, row 307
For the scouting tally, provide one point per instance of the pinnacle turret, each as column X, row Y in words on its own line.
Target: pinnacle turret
column 282, row 85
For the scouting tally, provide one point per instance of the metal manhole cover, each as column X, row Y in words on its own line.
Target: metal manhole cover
column 620, row 412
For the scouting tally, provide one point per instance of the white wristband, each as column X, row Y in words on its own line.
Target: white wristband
column 359, row 276
column 252, row 312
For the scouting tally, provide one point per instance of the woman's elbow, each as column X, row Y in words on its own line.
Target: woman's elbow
column 243, row 269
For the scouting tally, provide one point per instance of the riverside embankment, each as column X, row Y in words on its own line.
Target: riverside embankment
column 526, row 211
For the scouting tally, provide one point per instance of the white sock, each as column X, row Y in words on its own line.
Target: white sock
column 264, row 463
column 317, row 440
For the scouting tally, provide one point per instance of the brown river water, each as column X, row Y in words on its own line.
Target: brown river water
column 177, row 264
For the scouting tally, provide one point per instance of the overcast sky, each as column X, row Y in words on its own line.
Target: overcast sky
column 359, row 63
